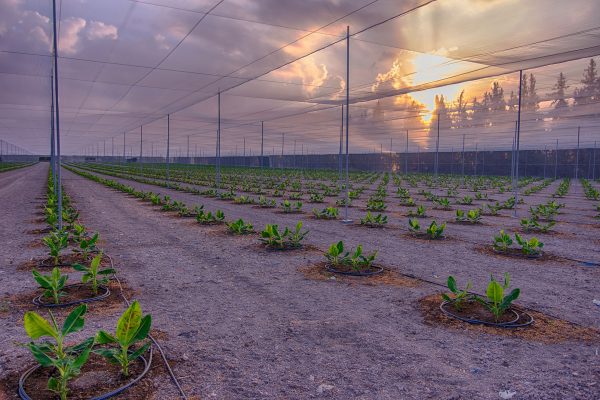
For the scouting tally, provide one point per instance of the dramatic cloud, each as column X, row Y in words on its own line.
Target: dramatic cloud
column 100, row 30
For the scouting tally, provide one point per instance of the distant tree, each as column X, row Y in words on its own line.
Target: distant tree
column 590, row 92
column 559, row 94
column 496, row 98
column 513, row 101
column 440, row 111
column 461, row 116
column 530, row 100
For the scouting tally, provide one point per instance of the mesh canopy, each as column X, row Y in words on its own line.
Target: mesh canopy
column 124, row 65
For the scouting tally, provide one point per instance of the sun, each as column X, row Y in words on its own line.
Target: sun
column 433, row 67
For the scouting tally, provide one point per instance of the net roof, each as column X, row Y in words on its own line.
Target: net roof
column 126, row 64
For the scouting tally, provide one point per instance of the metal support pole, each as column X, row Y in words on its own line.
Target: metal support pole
column 545, row 159
column 341, row 149
column 518, row 142
column 188, row 149
column 437, row 148
column 475, row 163
column 463, row 160
column 218, row 160
column 406, row 155
column 262, row 142
column 52, row 138
column 168, row 149
column 577, row 154
column 483, row 162
column 594, row 162
column 57, row 116
column 556, row 161
column 112, row 147
column 141, row 148
column 346, row 218
column 124, row 148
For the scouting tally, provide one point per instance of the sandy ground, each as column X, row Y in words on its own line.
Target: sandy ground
column 245, row 323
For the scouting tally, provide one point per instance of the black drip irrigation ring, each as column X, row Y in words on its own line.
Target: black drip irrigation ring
column 374, row 271
column 39, row 302
column 519, row 254
column 147, row 363
column 50, row 264
column 518, row 313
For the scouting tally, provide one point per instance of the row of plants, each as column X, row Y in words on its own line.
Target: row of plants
column 56, row 354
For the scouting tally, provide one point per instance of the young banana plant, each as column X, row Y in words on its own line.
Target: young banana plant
column 88, row 245
column 65, row 361
column 132, row 328
column 496, row 302
column 459, row 295
column 56, row 241
column 93, row 274
column 52, row 284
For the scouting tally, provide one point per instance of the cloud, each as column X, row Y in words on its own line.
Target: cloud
column 69, row 35
column 100, row 30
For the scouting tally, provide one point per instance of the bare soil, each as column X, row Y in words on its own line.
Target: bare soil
column 247, row 324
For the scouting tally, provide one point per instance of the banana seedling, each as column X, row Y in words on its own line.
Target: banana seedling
column 531, row 247
column 435, row 231
column 496, row 302
column 459, row 295
column 502, row 242
column 52, row 284
column 65, row 361
column 239, row 227
column 92, row 273
column 56, row 241
column 132, row 328
column 88, row 245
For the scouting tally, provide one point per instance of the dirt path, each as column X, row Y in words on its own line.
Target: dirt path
column 243, row 323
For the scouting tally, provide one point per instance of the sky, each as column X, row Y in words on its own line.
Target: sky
column 124, row 65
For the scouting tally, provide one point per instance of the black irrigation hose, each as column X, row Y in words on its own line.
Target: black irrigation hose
column 376, row 270
column 39, row 302
column 105, row 396
column 519, row 314
column 160, row 350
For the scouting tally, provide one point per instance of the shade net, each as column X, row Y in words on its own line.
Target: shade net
column 280, row 66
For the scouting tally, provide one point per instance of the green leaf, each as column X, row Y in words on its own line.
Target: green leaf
column 37, row 327
column 53, row 384
column 494, row 292
column 139, row 352
column 143, row 330
column 42, row 280
column 128, row 324
column 40, row 355
column 510, row 298
column 452, row 284
column 79, row 267
column 74, row 321
column 111, row 355
column 83, row 357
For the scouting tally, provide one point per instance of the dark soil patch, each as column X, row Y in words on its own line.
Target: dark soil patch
column 423, row 236
column 73, row 293
column 476, row 311
column 516, row 254
column 319, row 272
column 262, row 248
column 64, row 262
column 40, row 231
column 545, row 329
column 97, row 377
column 36, row 244
column 19, row 303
